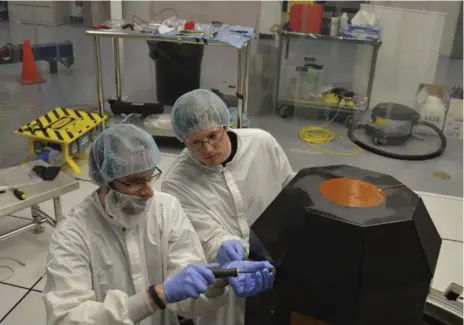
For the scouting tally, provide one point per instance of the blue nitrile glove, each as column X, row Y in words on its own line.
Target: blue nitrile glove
column 231, row 250
column 250, row 284
column 188, row 283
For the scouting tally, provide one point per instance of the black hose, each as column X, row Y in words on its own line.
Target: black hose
column 388, row 154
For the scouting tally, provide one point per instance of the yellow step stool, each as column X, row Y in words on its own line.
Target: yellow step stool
column 72, row 130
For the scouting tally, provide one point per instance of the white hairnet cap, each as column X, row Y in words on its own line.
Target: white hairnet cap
column 121, row 150
column 198, row 110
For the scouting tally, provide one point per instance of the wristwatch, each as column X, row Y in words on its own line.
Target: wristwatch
column 156, row 299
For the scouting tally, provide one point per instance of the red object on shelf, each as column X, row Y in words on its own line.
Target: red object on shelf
column 189, row 25
column 306, row 18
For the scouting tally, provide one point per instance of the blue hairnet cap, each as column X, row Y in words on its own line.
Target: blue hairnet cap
column 198, row 110
column 121, row 150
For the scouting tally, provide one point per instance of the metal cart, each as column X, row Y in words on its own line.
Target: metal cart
column 242, row 70
column 36, row 194
column 285, row 106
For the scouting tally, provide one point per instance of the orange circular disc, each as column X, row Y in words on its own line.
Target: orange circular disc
column 352, row 193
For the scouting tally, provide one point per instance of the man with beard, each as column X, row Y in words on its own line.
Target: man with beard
column 128, row 254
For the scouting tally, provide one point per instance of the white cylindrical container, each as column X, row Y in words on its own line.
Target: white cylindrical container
column 343, row 23
column 55, row 157
column 334, row 22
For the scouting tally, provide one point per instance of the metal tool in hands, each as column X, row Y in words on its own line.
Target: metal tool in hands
column 229, row 272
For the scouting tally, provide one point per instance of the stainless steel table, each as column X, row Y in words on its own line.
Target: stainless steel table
column 286, row 35
column 449, row 312
column 242, row 69
column 36, row 194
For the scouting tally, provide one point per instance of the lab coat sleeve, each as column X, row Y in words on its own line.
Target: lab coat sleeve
column 210, row 232
column 184, row 248
column 283, row 164
column 68, row 295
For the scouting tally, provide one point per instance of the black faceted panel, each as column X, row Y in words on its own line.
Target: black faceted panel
column 342, row 264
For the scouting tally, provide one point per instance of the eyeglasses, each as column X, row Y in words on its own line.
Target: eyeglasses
column 135, row 187
column 214, row 138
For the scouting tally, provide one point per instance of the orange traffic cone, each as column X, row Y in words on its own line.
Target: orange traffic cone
column 29, row 75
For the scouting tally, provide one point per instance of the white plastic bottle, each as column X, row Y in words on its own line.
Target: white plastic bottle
column 55, row 157
column 343, row 23
column 334, row 22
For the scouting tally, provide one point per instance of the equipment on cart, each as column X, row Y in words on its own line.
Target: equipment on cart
column 122, row 107
column 51, row 53
column 350, row 247
column 337, row 104
column 63, row 129
column 392, row 124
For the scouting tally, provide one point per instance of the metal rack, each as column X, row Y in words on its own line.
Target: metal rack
column 242, row 69
column 282, row 106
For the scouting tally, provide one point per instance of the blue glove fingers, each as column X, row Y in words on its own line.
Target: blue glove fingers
column 257, row 284
column 205, row 273
column 234, row 251
column 268, row 279
column 237, row 284
column 255, row 266
column 198, row 285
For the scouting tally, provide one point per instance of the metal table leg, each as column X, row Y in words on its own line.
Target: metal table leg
column 57, row 209
column 101, row 103
column 277, row 79
column 117, row 68
column 240, row 85
column 38, row 229
column 246, row 83
column 375, row 52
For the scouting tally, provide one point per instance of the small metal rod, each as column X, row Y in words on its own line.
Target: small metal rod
column 101, row 103
column 277, row 72
column 240, row 85
column 23, row 228
column 57, row 209
column 370, row 85
column 43, row 215
column 117, row 68
column 247, row 53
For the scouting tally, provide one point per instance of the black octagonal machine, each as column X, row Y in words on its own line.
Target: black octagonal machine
column 351, row 247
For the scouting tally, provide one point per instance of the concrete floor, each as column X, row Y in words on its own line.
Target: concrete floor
column 76, row 85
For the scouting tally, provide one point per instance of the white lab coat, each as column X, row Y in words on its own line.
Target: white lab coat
column 98, row 272
column 223, row 202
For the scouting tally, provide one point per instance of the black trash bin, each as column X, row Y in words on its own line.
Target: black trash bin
column 178, row 69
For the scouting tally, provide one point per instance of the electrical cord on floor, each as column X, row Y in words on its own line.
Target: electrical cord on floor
column 316, row 135
column 9, row 267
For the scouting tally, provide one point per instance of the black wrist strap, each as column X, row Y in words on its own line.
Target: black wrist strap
column 156, row 299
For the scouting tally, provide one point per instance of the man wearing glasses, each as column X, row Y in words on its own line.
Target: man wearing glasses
column 128, row 254
column 224, row 179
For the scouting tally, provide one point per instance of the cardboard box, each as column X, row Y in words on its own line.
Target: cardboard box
column 453, row 128
column 431, row 104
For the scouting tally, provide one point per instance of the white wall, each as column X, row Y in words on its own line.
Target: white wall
column 270, row 15
column 232, row 12
column 259, row 14
column 451, row 8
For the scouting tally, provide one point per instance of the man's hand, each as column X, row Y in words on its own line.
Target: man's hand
column 188, row 283
column 231, row 250
column 250, row 284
